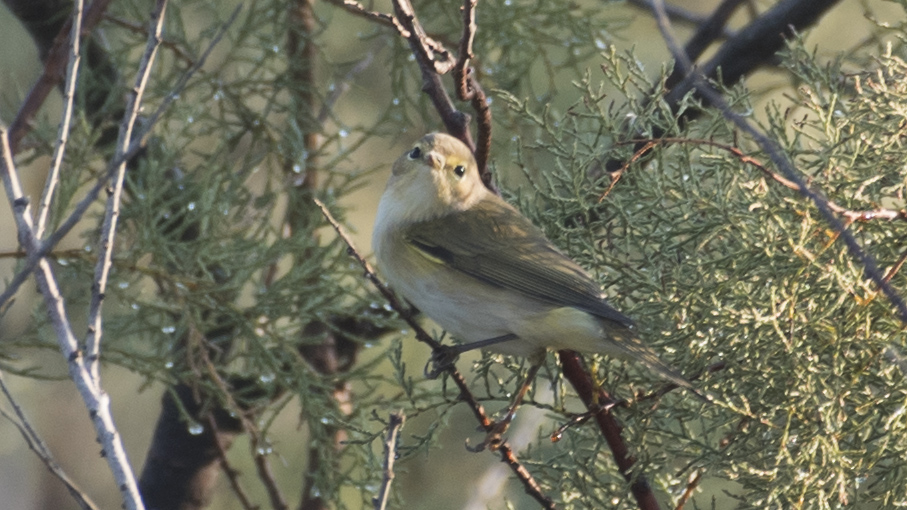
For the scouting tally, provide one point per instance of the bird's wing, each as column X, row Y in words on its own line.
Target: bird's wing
column 494, row 243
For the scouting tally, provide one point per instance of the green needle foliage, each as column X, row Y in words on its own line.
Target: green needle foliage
column 226, row 277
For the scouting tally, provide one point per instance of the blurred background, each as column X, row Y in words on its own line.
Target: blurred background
column 50, row 399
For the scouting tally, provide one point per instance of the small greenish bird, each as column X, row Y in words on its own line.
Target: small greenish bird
column 485, row 273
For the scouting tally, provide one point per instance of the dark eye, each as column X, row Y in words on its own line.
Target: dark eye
column 416, row 153
column 460, row 170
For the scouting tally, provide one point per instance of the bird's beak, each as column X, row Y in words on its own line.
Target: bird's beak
column 435, row 160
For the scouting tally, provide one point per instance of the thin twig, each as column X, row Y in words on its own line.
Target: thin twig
column 262, row 464
column 529, row 484
column 52, row 73
column 753, row 46
column 357, row 9
column 433, row 61
column 37, row 445
column 96, row 400
column 468, row 89
column 695, row 478
column 394, row 424
column 136, row 145
column 346, row 82
column 849, row 214
column 135, row 27
column 115, row 192
column 231, row 472
column 69, row 93
column 771, row 147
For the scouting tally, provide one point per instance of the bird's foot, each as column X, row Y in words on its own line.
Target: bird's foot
column 442, row 357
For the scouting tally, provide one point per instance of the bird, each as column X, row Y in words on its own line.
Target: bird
column 482, row 271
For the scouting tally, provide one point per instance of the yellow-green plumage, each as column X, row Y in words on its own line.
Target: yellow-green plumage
column 481, row 270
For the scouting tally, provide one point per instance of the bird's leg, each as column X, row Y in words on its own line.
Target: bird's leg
column 444, row 356
column 493, row 439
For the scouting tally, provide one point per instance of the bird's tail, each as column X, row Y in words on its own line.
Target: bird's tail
column 632, row 348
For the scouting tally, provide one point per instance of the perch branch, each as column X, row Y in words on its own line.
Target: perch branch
column 468, row 89
column 575, row 372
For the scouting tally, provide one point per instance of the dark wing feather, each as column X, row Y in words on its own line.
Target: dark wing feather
column 494, row 243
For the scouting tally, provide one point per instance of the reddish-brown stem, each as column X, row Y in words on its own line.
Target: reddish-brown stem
column 576, row 373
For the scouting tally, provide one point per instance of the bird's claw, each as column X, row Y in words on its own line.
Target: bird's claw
column 442, row 357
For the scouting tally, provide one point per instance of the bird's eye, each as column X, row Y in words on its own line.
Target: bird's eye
column 416, row 153
column 459, row 170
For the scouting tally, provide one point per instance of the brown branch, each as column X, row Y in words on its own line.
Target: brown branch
column 468, row 89
column 576, row 373
column 529, row 484
column 231, row 472
column 433, row 61
column 849, row 214
column 695, row 478
column 781, row 160
column 409, row 316
column 752, row 47
column 52, row 74
column 256, row 442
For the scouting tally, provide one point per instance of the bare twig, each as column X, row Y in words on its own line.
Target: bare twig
column 468, row 89
column 771, row 147
column 115, row 192
column 96, row 400
column 136, row 145
column 407, row 314
column 69, row 92
column 135, row 27
column 433, row 61
column 357, row 9
column 394, row 424
column 52, row 73
column 37, row 445
column 344, row 85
